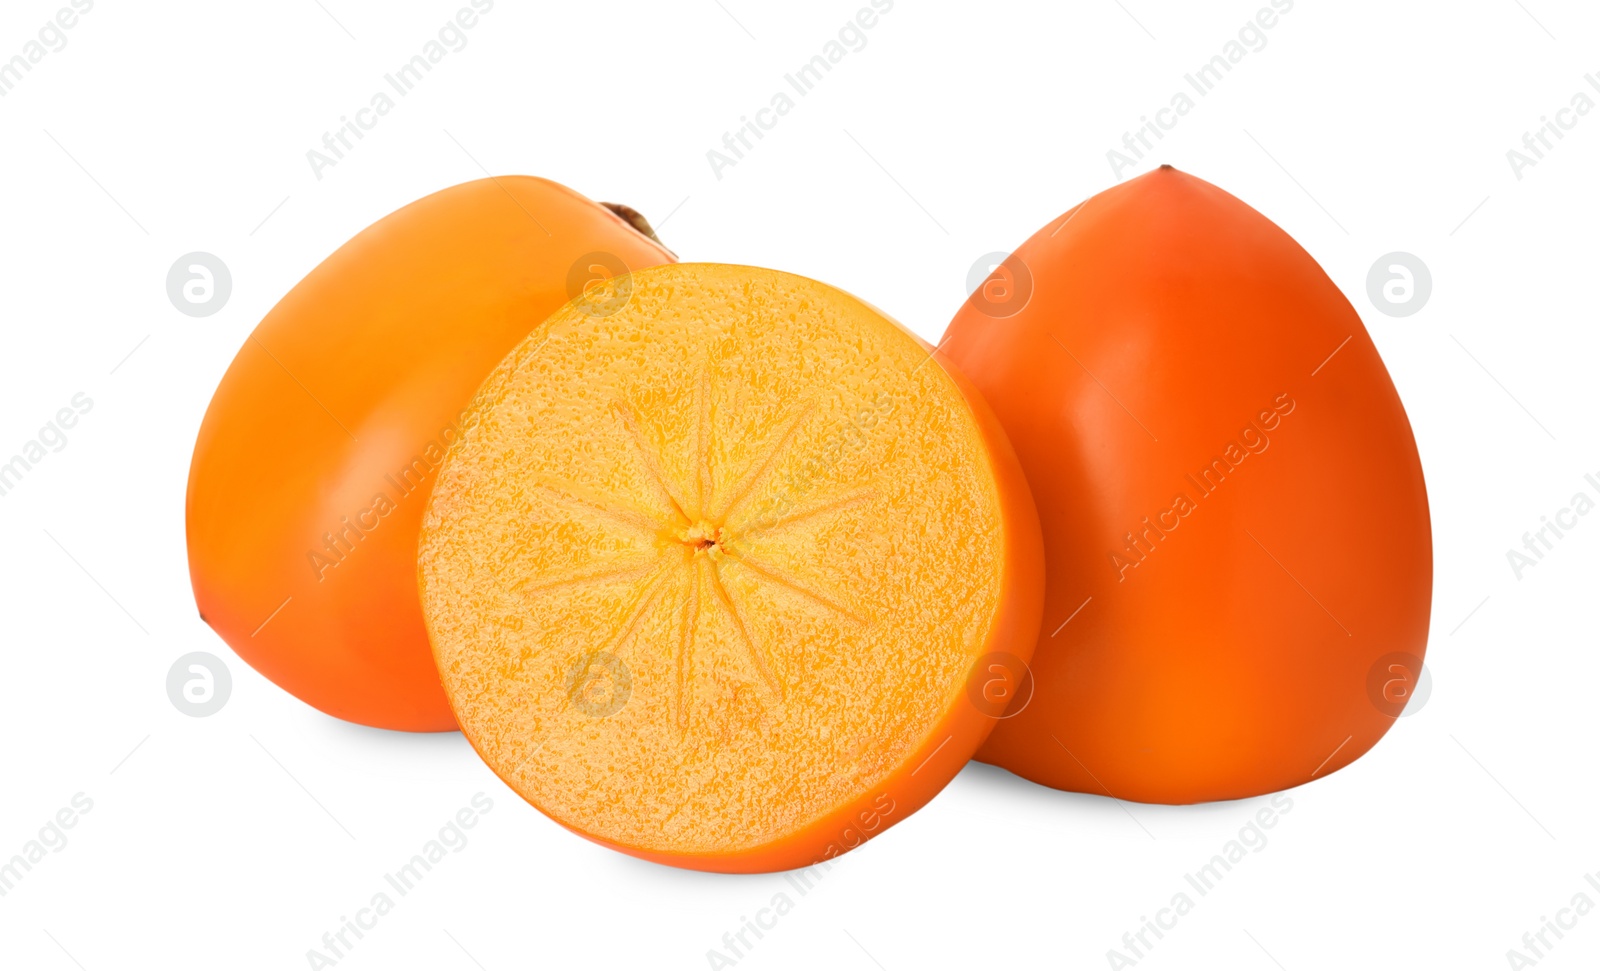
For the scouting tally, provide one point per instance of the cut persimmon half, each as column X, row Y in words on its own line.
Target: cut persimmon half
column 727, row 570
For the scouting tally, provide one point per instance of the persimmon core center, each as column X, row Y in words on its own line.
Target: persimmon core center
column 701, row 536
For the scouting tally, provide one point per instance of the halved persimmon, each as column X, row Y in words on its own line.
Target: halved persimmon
column 713, row 573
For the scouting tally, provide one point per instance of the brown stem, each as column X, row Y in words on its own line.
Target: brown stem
column 641, row 225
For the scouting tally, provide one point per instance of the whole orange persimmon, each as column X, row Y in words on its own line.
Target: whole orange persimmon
column 319, row 450
column 1239, row 560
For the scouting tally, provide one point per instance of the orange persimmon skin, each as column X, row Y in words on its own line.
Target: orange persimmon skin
column 1225, row 646
column 316, row 456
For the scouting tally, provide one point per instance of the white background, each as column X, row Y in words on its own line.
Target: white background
column 235, row 841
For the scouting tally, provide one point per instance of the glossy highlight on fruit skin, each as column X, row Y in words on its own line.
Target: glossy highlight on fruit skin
column 711, row 579
column 1235, row 520
column 317, row 454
